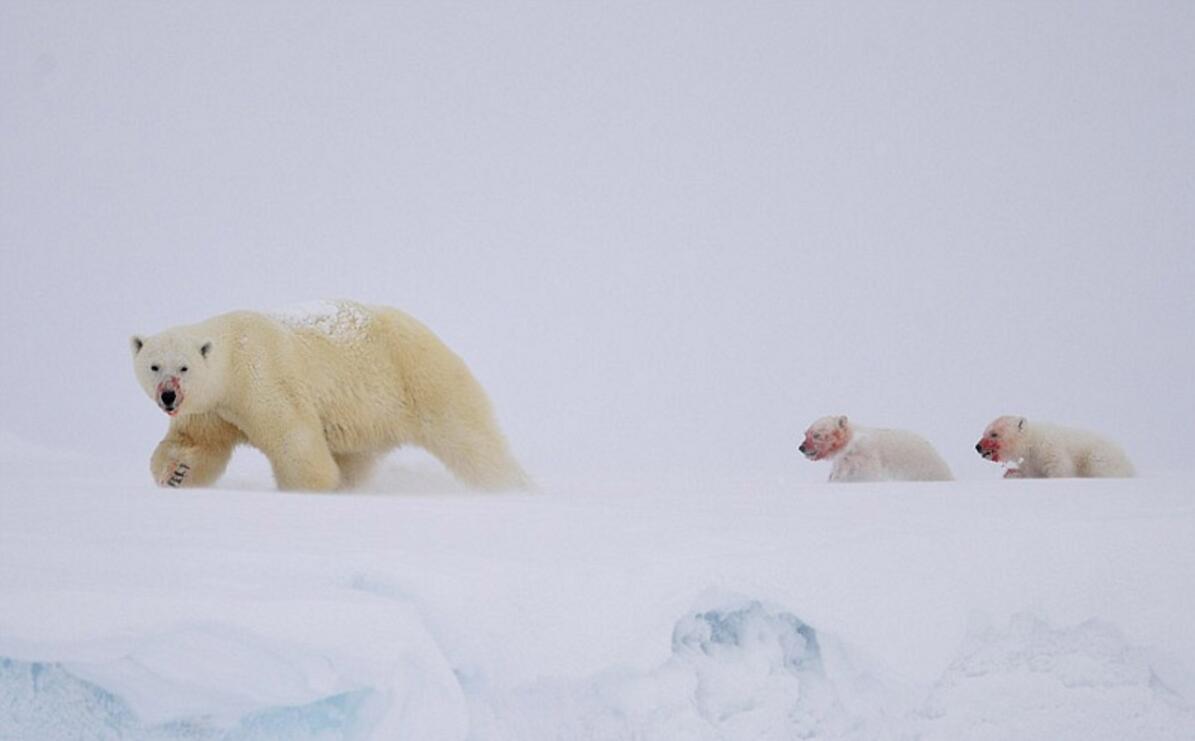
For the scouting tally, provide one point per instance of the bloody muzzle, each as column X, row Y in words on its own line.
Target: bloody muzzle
column 170, row 395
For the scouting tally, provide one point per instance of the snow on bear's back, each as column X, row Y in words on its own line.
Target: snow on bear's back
column 339, row 321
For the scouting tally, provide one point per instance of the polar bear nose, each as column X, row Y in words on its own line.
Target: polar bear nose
column 168, row 398
column 978, row 447
column 802, row 447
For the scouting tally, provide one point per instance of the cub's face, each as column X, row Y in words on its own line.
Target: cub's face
column 1001, row 441
column 175, row 372
column 825, row 437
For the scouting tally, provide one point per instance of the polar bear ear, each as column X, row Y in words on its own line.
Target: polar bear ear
column 842, row 421
column 136, row 343
column 205, row 348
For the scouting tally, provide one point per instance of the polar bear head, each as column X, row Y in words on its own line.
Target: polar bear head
column 176, row 371
column 826, row 437
column 1003, row 440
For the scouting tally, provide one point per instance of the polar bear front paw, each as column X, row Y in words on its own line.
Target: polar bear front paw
column 171, row 469
column 1013, row 473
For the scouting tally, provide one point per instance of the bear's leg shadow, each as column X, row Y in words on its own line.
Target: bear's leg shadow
column 194, row 452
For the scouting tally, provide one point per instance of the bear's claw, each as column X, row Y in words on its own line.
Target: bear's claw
column 180, row 472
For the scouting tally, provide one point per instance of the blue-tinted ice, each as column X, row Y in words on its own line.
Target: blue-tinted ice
column 45, row 701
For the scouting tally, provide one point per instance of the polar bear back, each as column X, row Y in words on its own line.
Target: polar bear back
column 371, row 374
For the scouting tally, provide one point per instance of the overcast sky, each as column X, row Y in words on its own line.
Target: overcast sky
column 666, row 236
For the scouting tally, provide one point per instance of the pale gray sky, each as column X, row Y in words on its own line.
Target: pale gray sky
column 665, row 235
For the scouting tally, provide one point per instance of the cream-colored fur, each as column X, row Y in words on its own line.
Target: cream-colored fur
column 1045, row 451
column 323, row 392
column 866, row 454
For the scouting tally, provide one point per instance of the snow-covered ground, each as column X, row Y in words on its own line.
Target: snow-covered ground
column 750, row 609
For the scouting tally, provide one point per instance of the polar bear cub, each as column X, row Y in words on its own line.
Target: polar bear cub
column 1044, row 451
column 866, row 454
column 323, row 391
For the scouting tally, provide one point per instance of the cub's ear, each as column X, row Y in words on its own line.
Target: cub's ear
column 205, row 348
column 842, row 421
column 1021, row 423
column 136, row 343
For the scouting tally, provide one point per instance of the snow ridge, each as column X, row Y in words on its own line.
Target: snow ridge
column 742, row 669
column 1035, row 681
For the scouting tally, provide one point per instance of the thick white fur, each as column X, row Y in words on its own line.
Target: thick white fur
column 867, row 454
column 1045, row 451
column 322, row 394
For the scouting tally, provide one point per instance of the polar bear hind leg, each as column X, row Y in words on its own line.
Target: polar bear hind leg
column 1105, row 462
column 475, row 452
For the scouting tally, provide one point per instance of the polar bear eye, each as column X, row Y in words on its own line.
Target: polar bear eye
column 994, row 435
column 182, row 369
column 153, row 368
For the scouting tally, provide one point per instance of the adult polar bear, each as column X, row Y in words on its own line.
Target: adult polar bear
column 866, row 454
column 323, row 391
column 1044, row 451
